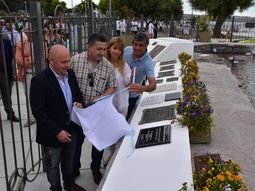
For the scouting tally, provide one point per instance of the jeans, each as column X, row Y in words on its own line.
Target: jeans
column 78, row 150
column 132, row 103
column 96, row 156
column 63, row 156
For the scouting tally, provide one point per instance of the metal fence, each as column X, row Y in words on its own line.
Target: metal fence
column 235, row 29
column 21, row 157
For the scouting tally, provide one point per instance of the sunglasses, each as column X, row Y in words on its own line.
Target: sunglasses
column 91, row 79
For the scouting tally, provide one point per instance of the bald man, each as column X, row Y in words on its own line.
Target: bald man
column 53, row 93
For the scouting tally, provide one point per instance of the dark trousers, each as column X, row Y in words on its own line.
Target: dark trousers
column 132, row 103
column 6, row 91
column 63, row 156
column 78, row 149
column 96, row 157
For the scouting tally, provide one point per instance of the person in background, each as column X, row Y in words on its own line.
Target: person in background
column 51, row 37
column 24, row 60
column 150, row 30
column 53, row 93
column 118, row 23
column 6, row 59
column 134, row 26
column 11, row 33
column 96, row 78
column 137, row 57
column 123, row 26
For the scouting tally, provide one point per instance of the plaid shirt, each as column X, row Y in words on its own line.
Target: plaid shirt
column 103, row 75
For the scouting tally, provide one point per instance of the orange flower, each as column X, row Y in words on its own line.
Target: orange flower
column 220, row 177
column 238, row 177
column 228, row 173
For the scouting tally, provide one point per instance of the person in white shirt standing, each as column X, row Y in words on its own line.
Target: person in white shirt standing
column 123, row 26
column 150, row 30
column 118, row 23
column 134, row 26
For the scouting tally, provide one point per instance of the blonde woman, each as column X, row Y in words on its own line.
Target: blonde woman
column 114, row 54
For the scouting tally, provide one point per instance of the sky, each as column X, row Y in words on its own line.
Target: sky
column 186, row 7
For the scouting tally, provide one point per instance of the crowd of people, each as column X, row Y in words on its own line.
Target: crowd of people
column 123, row 27
column 80, row 80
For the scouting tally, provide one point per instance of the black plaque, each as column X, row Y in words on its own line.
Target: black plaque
column 159, row 81
column 173, row 96
column 154, row 43
column 158, row 114
column 162, row 68
column 154, row 136
column 167, row 62
column 156, row 50
column 172, row 79
column 165, row 74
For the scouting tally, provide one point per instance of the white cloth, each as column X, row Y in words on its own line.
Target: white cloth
column 102, row 124
column 120, row 100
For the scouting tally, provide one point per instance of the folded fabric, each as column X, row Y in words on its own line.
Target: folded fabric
column 102, row 124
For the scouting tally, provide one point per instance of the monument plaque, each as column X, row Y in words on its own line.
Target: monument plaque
column 159, row 81
column 156, row 50
column 167, row 62
column 165, row 74
column 170, row 67
column 155, row 99
column 154, row 136
column 165, row 87
column 172, row 79
column 158, row 114
column 173, row 96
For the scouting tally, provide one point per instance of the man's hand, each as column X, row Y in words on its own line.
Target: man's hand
column 136, row 88
column 64, row 137
column 77, row 104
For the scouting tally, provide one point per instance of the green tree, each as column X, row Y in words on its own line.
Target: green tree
column 220, row 10
column 50, row 5
column 148, row 8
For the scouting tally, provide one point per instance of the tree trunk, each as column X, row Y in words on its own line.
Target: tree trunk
column 217, row 28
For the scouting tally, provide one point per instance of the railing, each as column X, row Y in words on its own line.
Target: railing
column 21, row 158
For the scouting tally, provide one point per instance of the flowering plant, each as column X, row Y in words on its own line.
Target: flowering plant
column 194, row 107
column 195, row 110
column 218, row 175
column 183, row 57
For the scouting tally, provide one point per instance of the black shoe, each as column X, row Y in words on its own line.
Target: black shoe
column 73, row 187
column 97, row 176
column 14, row 118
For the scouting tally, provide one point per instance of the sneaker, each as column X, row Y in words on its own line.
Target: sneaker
column 97, row 175
column 73, row 187
column 32, row 121
column 13, row 117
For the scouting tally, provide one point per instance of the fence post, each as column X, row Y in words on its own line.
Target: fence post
column 90, row 21
column 39, row 64
column 108, row 25
column 172, row 26
column 79, row 33
column 142, row 21
column 36, row 21
column 232, row 29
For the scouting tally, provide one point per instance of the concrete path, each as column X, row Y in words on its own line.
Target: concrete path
column 233, row 134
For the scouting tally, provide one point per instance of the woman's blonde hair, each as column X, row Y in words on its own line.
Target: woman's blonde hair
column 117, row 42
